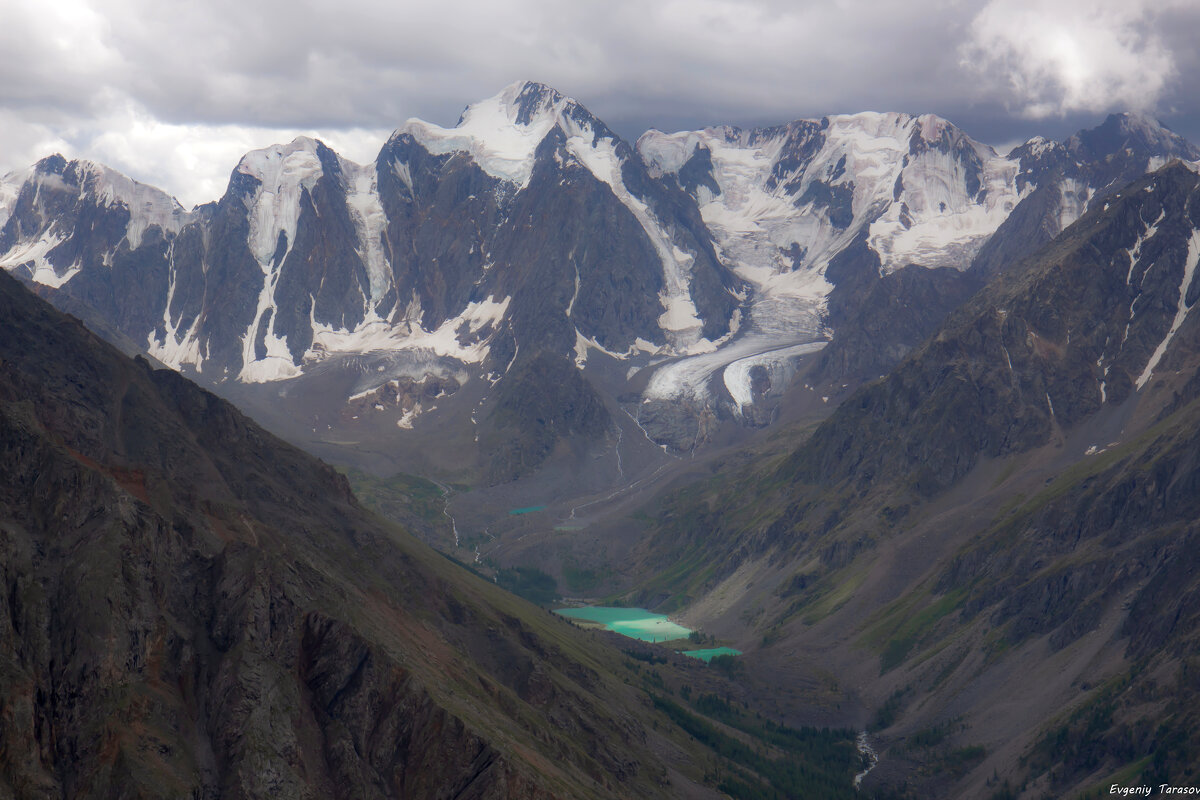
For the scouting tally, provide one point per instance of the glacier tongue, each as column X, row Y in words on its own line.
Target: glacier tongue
column 783, row 201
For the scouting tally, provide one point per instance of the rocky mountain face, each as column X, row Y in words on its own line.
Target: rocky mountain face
column 829, row 217
column 1084, row 325
column 998, row 517
column 684, row 280
column 468, row 252
column 192, row 608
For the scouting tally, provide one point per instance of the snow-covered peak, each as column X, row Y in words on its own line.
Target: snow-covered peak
column 147, row 205
column 88, row 180
column 1135, row 133
column 284, row 172
column 502, row 133
column 1036, row 147
column 282, row 164
column 784, row 200
column 666, row 153
column 528, row 101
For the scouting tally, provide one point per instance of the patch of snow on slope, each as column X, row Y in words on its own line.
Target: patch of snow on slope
column 370, row 222
column 944, row 226
column 175, row 350
column 1072, row 203
column 680, row 320
column 1135, row 253
column 490, row 133
column 376, row 334
column 1181, row 310
column 585, row 343
column 284, row 173
column 34, row 253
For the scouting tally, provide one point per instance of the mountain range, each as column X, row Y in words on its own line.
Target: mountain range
column 530, row 253
column 910, row 422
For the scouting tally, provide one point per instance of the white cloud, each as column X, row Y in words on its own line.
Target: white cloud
column 192, row 161
column 1048, row 59
column 174, row 93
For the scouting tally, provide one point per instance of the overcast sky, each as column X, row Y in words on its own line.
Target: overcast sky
column 172, row 93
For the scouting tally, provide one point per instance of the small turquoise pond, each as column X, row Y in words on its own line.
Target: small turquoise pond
column 708, row 655
column 526, row 510
column 636, row 623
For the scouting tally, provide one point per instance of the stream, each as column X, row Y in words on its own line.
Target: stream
column 867, row 752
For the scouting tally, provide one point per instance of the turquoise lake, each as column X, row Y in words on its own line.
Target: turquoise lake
column 636, row 623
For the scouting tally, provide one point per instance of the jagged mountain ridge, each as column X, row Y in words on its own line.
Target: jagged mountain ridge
column 530, row 231
column 821, row 215
column 1058, row 345
column 345, row 256
column 462, row 254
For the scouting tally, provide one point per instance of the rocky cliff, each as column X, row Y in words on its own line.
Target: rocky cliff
column 192, row 608
column 995, row 522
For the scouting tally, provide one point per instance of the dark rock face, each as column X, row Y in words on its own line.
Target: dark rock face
column 697, row 171
column 1111, row 531
column 804, row 139
column 1075, row 327
column 441, row 211
column 192, row 608
column 544, row 401
column 1082, row 172
column 881, row 319
column 835, row 200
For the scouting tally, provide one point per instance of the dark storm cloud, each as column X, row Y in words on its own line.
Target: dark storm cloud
column 173, row 93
